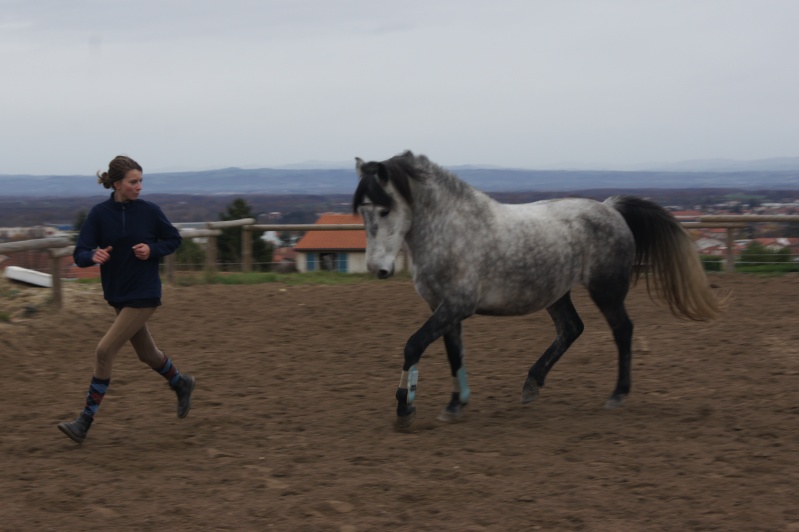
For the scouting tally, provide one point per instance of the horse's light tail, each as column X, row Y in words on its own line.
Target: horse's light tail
column 665, row 253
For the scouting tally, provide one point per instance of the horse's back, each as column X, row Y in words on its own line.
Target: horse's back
column 542, row 249
column 571, row 227
column 585, row 231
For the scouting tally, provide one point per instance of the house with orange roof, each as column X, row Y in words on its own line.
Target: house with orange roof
column 340, row 251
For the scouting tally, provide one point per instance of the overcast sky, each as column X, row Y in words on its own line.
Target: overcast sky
column 201, row 84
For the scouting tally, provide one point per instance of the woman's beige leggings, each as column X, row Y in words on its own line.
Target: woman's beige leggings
column 130, row 325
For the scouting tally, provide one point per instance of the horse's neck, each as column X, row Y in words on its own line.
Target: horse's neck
column 440, row 212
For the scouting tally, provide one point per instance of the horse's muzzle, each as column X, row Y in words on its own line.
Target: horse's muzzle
column 385, row 274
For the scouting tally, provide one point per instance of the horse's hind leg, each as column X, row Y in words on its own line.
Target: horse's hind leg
column 460, row 395
column 610, row 300
column 569, row 327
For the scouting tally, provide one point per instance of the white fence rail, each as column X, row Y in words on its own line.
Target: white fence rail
column 61, row 247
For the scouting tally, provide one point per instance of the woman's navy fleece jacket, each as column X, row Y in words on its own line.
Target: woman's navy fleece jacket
column 127, row 281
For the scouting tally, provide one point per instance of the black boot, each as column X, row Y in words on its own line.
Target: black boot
column 183, row 389
column 77, row 429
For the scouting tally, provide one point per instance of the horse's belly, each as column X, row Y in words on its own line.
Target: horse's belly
column 515, row 301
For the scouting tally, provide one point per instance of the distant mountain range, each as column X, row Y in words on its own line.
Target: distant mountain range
column 773, row 174
column 775, row 164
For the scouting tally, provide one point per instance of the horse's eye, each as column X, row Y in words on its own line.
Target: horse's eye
column 384, row 213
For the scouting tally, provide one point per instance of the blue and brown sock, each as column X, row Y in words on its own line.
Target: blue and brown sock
column 97, row 390
column 169, row 372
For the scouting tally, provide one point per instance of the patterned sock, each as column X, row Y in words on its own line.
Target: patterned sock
column 169, row 372
column 97, row 390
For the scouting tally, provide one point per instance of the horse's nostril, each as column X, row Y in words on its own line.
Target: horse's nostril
column 382, row 274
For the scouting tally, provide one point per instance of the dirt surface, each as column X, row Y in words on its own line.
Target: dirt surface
column 291, row 426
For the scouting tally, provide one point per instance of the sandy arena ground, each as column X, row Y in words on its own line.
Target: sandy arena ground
column 291, row 426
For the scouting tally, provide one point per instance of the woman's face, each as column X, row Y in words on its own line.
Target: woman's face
column 129, row 188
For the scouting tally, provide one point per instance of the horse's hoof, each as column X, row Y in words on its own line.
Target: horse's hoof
column 530, row 392
column 614, row 402
column 449, row 415
column 404, row 422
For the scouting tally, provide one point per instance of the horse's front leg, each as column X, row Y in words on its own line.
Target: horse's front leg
column 439, row 323
column 460, row 386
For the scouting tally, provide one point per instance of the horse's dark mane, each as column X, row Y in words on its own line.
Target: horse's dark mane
column 398, row 170
column 454, row 185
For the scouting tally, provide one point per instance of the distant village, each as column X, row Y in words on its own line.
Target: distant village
column 772, row 236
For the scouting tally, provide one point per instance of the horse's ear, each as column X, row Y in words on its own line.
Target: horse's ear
column 382, row 174
column 358, row 166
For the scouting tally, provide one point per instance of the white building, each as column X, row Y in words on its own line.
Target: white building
column 341, row 251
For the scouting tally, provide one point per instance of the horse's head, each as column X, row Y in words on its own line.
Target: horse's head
column 383, row 198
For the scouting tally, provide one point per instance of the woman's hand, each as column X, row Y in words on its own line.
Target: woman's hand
column 101, row 256
column 142, row 251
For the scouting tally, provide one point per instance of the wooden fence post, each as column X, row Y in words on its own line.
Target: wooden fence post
column 55, row 274
column 730, row 250
column 246, row 248
column 210, row 254
column 220, row 225
column 169, row 268
column 210, row 247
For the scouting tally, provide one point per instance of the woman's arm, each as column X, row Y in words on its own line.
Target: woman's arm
column 88, row 241
column 169, row 238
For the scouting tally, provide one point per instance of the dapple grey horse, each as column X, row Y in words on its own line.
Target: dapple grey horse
column 473, row 255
